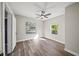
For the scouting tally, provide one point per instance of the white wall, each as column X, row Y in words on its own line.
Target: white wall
column 60, row 20
column 0, row 31
column 72, row 29
column 21, row 29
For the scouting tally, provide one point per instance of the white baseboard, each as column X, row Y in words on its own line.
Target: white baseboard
column 57, row 40
column 22, row 40
column 72, row 52
column 60, row 41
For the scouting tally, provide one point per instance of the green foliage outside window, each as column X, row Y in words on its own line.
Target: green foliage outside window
column 54, row 29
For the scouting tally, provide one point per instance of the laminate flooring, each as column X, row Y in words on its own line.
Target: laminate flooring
column 39, row 47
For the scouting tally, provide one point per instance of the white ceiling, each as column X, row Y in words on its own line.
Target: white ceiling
column 30, row 9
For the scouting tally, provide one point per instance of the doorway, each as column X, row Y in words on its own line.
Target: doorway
column 6, row 22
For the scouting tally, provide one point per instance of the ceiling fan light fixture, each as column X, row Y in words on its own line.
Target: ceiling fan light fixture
column 42, row 17
column 43, row 12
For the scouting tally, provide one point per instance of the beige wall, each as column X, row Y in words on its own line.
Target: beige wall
column 72, row 29
column 60, row 20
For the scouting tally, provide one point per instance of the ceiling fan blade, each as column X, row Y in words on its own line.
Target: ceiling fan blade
column 47, row 14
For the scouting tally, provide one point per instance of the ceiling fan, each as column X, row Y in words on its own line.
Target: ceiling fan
column 43, row 14
column 43, row 11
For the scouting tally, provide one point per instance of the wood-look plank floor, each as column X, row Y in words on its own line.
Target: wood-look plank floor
column 41, row 47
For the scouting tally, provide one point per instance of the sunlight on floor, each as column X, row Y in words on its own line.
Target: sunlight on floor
column 36, row 40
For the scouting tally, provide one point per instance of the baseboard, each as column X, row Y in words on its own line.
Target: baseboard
column 22, row 40
column 60, row 41
column 55, row 40
column 74, row 53
column 41, row 37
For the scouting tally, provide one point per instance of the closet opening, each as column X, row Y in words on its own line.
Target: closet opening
column 6, row 22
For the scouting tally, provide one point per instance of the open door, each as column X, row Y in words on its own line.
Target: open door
column 10, row 31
